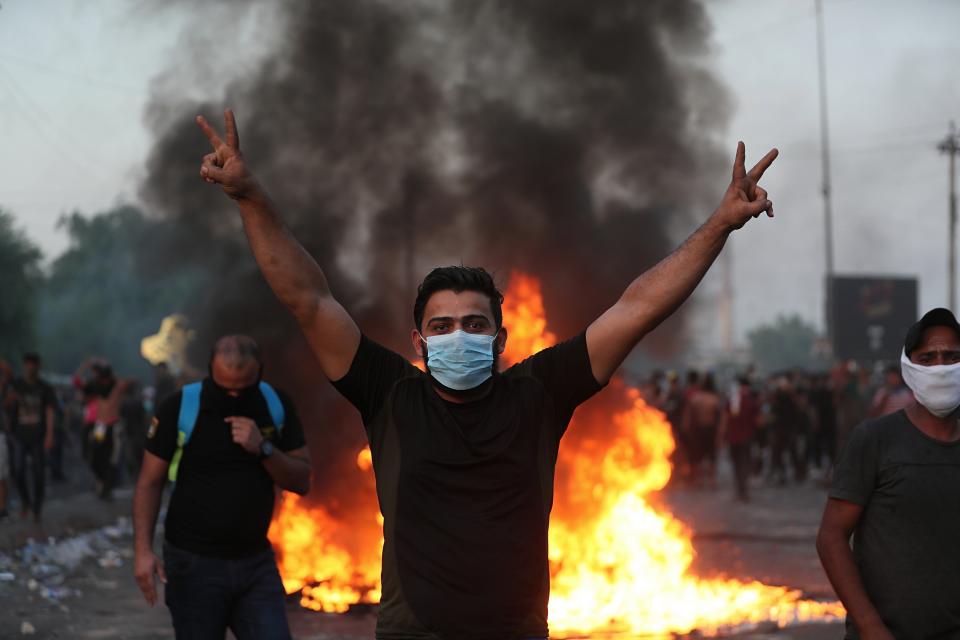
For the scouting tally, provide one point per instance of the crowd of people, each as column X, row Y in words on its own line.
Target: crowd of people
column 776, row 428
column 92, row 414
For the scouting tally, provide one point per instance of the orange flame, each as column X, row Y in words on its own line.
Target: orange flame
column 525, row 319
column 328, row 576
column 618, row 565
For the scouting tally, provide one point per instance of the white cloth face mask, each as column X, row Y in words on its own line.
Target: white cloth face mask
column 936, row 387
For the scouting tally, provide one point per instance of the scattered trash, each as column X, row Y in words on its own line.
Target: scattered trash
column 27, row 629
column 44, row 570
column 111, row 560
column 48, row 564
column 58, row 593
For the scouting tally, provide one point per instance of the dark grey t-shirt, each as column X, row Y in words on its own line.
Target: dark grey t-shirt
column 907, row 543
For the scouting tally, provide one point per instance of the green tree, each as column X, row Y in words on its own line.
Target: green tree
column 102, row 297
column 786, row 344
column 20, row 279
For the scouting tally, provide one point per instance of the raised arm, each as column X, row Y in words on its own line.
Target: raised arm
column 291, row 272
column 658, row 292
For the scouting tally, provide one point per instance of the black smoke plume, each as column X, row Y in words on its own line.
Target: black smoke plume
column 570, row 139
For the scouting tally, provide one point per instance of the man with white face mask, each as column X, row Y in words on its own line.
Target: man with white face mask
column 896, row 489
column 464, row 456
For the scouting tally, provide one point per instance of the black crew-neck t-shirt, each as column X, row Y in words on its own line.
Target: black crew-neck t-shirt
column 907, row 542
column 28, row 413
column 222, row 501
column 466, row 490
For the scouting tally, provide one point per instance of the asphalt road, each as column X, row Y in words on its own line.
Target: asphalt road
column 770, row 539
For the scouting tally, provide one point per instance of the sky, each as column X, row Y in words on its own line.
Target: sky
column 75, row 77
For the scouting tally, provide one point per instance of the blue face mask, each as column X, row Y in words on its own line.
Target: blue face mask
column 460, row 360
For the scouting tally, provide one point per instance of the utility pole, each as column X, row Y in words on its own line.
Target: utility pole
column 951, row 146
column 726, row 303
column 825, row 186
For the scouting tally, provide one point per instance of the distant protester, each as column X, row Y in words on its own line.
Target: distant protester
column 30, row 406
column 893, row 395
column 6, row 375
column 895, row 489
column 739, row 429
column 701, row 421
column 103, row 428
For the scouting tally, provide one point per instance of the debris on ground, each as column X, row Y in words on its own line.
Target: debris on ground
column 43, row 567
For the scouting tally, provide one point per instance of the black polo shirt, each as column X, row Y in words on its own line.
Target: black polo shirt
column 222, row 501
column 466, row 490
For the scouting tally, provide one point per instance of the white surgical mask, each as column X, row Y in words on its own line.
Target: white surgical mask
column 936, row 387
column 460, row 360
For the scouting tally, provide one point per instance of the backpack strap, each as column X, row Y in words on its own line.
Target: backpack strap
column 274, row 405
column 189, row 410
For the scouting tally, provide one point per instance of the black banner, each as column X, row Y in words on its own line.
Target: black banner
column 871, row 315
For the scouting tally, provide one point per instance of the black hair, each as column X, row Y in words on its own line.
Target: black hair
column 458, row 279
column 32, row 356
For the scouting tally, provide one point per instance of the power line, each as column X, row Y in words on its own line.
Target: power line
column 33, row 113
column 87, row 81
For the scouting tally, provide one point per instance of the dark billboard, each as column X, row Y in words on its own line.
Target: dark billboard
column 871, row 315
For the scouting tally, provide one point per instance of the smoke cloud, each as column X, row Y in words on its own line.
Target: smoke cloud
column 569, row 139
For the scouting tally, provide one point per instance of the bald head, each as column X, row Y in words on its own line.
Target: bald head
column 235, row 364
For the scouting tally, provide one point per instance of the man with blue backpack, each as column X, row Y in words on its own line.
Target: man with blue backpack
column 226, row 443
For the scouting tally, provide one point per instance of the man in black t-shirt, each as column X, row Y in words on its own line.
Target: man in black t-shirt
column 228, row 441
column 463, row 455
column 896, row 490
column 30, row 412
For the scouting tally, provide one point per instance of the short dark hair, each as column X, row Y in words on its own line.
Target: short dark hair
column 458, row 279
column 32, row 356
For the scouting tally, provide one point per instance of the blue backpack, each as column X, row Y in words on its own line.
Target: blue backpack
column 190, row 409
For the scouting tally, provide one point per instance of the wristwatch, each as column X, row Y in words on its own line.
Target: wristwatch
column 266, row 449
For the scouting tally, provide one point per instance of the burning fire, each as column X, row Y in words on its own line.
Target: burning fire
column 312, row 561
column 618, row 565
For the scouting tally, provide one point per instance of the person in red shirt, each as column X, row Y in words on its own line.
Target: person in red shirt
column 738, row 428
